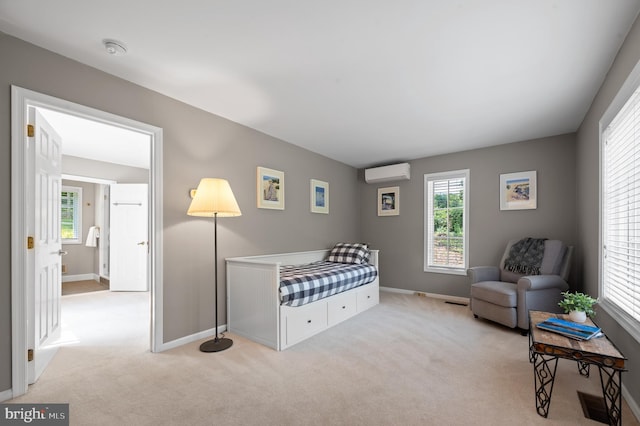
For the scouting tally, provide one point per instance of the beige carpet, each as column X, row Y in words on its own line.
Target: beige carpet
column 86, row 286
column 409, row 361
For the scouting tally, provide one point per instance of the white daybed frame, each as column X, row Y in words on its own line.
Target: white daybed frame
column 253, row 300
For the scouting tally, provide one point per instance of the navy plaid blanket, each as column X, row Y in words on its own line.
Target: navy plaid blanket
column 300, row 284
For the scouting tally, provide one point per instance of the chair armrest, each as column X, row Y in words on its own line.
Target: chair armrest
column 542, row 282
column 483, row 273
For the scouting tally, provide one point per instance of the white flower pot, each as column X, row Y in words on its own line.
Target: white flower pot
column 577, row 316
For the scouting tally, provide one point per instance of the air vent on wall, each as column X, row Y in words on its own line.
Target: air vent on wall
column 400, row 171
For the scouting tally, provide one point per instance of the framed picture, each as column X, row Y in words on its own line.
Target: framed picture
column 518, row 191
column 270, row 189
column 389, row 201
column 319, row 196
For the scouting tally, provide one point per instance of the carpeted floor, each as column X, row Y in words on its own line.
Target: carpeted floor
column 409, row 361
column 86, row 286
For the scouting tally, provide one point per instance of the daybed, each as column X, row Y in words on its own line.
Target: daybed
column 259, row 310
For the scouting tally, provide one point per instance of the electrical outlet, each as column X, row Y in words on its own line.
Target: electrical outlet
column 419, row 293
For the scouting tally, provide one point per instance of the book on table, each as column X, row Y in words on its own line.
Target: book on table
column 570, row 329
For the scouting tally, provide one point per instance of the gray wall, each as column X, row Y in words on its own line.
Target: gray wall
column 588, row 201
column 401, row 238
column 196, row 144
column 81, row 259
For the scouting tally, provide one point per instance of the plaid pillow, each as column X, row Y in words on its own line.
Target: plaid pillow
column 355, row 253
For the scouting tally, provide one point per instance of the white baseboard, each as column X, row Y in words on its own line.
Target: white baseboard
column 633, row 405
column 6, row 395
column 446, row 298
column 191, row 338
column 80, row 277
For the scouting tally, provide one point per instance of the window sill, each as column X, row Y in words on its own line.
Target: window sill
column 448, row 271
column 70, row 242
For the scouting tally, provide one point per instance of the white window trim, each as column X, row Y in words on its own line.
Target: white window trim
column 77, row 189
column 626, row 321
column 427, row 222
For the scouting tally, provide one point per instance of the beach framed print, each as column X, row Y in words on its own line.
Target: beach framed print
column 319, row 196
column 389, row 201
column 518, row 191
column 270, row 189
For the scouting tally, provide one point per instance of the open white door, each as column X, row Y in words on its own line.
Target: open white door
column 128, row 237
column 45, row 297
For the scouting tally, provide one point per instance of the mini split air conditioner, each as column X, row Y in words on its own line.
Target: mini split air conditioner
column 400, row 171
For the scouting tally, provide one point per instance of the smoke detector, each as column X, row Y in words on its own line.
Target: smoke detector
column 114, row 47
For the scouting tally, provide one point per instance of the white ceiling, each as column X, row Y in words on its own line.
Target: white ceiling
column 98, row 141
column 365, row 82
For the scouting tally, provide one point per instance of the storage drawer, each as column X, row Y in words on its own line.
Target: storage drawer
column 367, row 297
column 341, row 306
column 305, row 321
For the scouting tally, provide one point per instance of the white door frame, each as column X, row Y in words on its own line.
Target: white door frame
column 21, row 99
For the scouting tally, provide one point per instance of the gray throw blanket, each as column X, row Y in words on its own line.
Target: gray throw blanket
column 525, row 256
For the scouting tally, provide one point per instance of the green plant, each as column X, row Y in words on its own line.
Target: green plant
column 578, row 302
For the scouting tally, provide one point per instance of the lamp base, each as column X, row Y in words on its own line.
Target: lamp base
column 216, row 345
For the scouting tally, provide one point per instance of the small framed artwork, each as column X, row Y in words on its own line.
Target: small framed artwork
column 518, row 191
column 270, row 189
column 319, row 196
column 389, row 201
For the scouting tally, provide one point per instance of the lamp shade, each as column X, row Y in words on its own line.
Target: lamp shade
column 214, row 197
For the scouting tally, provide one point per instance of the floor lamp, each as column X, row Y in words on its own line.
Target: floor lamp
column 214, row 198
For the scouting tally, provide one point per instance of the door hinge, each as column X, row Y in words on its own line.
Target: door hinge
column 30, row 243
column 30, row 131
column 29, row 355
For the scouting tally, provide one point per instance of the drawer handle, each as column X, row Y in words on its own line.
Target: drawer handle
column 344, row 307
column 308, row 321
column 368, row 297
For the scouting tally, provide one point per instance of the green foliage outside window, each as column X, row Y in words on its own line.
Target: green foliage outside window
column 448, row 216
column 448, row 224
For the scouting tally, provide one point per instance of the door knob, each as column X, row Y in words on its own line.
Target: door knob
column 141, row 243
column 62, row 252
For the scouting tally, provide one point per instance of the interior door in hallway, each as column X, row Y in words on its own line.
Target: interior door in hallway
column 45, row 295
column 128, row 235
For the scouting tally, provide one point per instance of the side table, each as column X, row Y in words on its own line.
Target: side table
column 546, row 347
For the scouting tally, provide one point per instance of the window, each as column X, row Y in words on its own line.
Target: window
column 620, row 198
column 446, row 222
column 71, row 215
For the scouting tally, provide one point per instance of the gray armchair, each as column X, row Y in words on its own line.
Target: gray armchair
column 506, row 297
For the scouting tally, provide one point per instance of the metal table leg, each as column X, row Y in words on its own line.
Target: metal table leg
column 583, row 368
column 544, row 376
column 530, row 347
column 611, row 381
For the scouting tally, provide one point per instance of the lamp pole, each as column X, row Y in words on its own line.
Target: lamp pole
column 222, row 343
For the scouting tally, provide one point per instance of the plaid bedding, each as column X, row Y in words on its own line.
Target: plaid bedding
column 301, row 284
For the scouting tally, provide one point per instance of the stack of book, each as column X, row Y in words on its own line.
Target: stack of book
column 570, row 329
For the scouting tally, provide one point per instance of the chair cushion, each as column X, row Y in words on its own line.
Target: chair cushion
column 496, row 292
column 554, row 251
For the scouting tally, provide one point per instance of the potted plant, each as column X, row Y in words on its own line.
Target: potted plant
column 579, row 306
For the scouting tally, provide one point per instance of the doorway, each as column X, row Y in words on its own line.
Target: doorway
column 105, row 177
column 22, row 276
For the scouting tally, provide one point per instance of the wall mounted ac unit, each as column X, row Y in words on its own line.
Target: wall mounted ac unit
column 400, row 171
